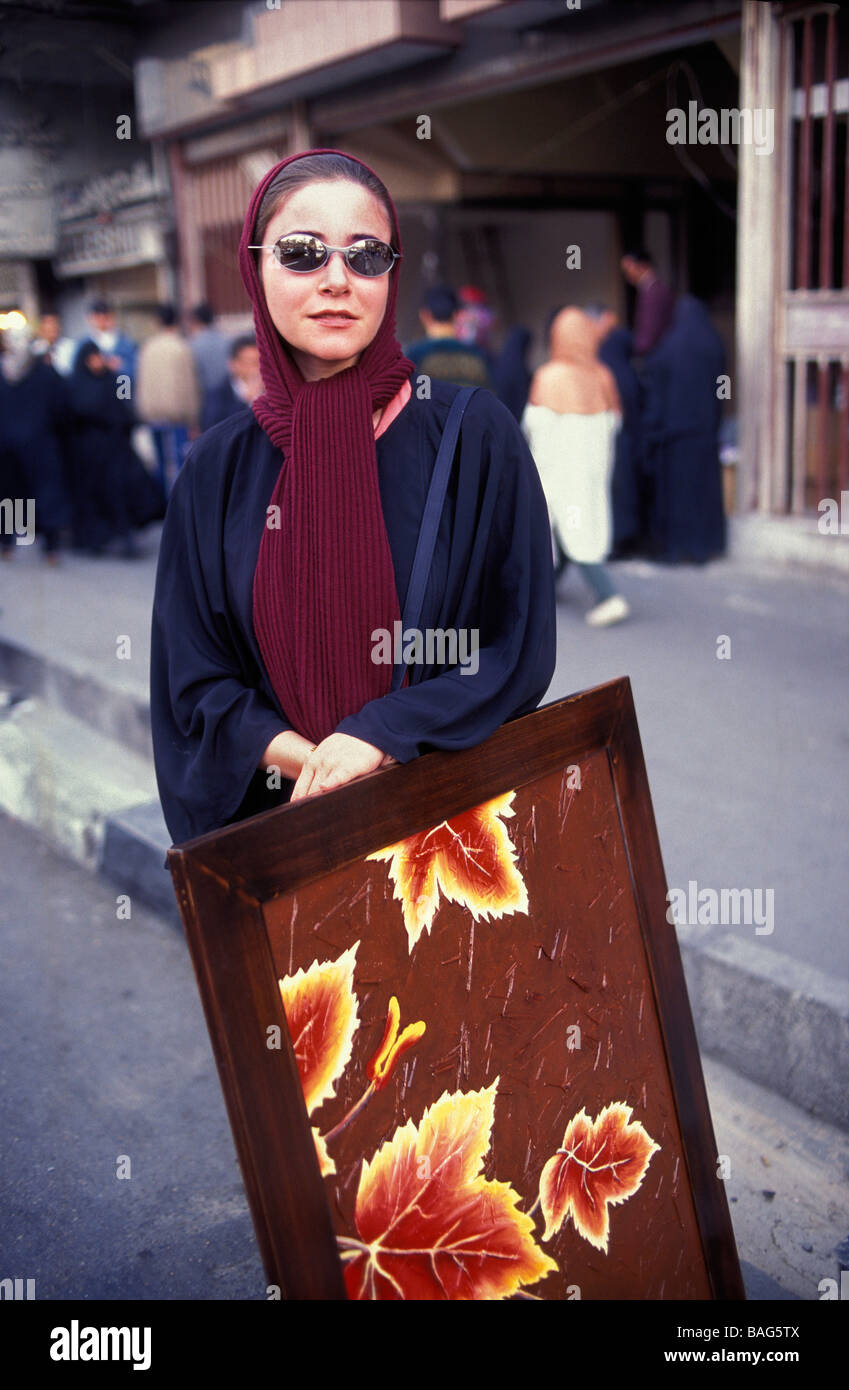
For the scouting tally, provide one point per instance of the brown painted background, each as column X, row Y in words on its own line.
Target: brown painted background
column 498, row 996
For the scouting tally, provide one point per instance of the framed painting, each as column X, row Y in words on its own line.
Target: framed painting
column 452, row 1029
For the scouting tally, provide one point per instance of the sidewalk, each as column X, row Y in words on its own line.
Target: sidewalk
column 746, row 762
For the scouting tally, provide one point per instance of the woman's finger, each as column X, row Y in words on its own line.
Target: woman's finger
column 305, row 779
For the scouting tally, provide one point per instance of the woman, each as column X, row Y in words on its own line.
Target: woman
column 113, row 492
column 683, row 414
column 290, row 533
column 33, row 441
column 571, row 421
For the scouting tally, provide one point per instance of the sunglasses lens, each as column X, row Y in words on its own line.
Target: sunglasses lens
column 303, row 253
column 300, row 253
column 370, row 257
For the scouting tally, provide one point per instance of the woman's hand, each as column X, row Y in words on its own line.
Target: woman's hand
column 338, row 759
column 286, row 753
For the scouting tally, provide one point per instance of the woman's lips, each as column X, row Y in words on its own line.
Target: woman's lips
column 333, row 320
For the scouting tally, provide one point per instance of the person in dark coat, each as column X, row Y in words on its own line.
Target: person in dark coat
column 628, row 489
column 655, row 303
column 33, row 439
column 241, row 387
column 511, row 375
column 291, row 530
column 681, row 423
column 113, row 493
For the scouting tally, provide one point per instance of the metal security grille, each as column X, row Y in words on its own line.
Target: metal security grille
column 813, row 321
column 221, row 192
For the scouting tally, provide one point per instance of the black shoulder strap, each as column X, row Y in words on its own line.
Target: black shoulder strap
column 430, row 520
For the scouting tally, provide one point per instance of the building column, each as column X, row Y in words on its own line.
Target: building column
column 190, row 270
column 761, row 260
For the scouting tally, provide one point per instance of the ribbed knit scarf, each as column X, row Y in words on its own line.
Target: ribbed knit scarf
column 324, row 578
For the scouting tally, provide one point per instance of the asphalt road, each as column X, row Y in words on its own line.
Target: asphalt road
column 106, row 1054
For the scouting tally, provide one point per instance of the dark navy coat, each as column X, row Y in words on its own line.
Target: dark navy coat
column 213, row 710
column 616, row 352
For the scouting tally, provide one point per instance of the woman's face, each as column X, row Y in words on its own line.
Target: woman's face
column 330, row 315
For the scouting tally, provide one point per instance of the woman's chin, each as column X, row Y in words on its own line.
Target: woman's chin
column 324, row 359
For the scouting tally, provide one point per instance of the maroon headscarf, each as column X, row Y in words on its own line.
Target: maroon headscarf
column 324, row 579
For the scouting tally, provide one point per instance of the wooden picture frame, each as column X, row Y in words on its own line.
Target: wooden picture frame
column 510, row 902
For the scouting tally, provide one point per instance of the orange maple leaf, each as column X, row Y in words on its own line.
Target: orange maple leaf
column 470, row 858
column 430, row 1225
column 321, row 1011
column 601, row 1162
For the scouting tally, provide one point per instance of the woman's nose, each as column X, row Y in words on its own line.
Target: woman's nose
column 335, row 270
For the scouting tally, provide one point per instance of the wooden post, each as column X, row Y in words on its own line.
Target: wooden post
column 190, row 273
column 300, row 137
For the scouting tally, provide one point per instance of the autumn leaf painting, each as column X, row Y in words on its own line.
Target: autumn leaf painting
column 430, row 1226
column 470, row 860
column 321, row 1011
column 600, row 1163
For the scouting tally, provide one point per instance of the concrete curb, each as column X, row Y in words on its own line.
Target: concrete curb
column 135, row 843
column 772, row 1018
column 787, row 541
column 117, row 713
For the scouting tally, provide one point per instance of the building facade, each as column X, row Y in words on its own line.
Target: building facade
column 527, row 144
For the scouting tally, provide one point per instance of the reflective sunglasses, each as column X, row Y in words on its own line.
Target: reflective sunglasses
column 303, row 254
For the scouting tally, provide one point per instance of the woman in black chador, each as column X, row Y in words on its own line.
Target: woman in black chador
column 683, row 412
column 290, row 535
column 112, row 492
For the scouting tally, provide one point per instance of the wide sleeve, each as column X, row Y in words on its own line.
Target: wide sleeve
column 506, row 605
column 210, row 725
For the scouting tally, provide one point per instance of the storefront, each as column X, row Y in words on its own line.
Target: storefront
column 113, row 242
